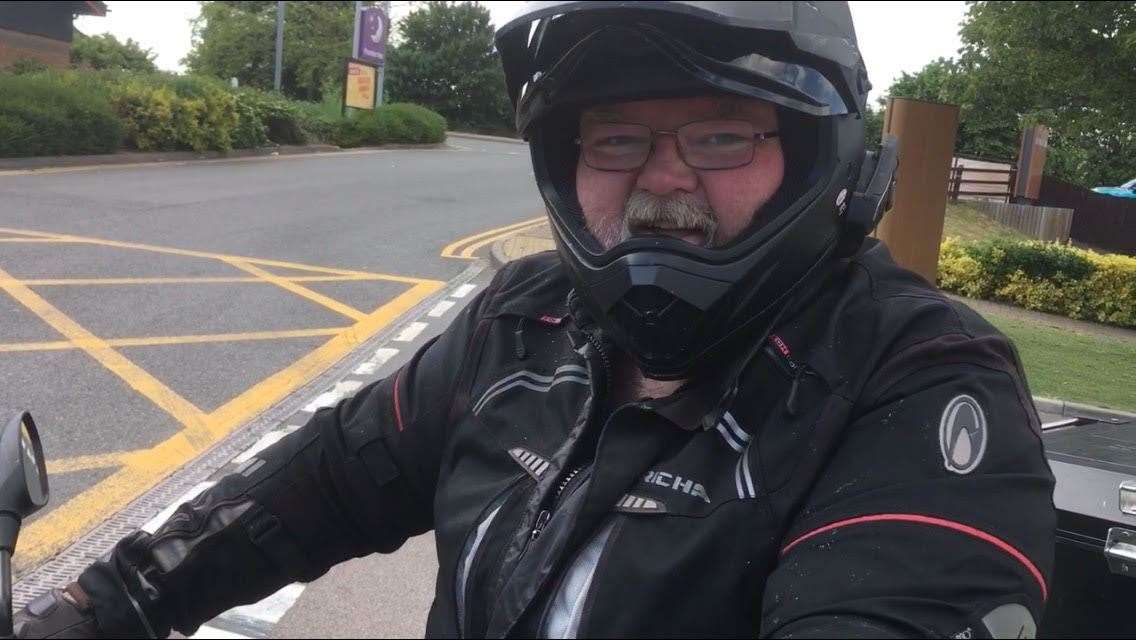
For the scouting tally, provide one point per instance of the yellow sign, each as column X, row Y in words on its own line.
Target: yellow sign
column 361, row 81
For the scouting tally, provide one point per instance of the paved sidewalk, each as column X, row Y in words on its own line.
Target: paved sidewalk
column 1048, row 319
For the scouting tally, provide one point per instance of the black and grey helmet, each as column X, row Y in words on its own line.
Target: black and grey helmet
column 674, row 306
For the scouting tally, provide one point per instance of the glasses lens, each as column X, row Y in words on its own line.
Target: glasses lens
column 615, row 146
column 717, row 144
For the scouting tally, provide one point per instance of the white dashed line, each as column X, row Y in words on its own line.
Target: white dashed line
column 410, row 332
column 463, row 290
column 163, row 515
column 205, row 632
column 382, row 355
column 267, row 440
column 271, row 609
column 441, row 308
column 329, row 398
column 366, row 369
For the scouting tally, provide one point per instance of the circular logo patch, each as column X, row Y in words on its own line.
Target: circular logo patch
column 962, row 434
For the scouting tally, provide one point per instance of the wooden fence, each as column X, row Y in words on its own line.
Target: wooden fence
column 975, row 179
column 1103, row 222
column 1051, row 224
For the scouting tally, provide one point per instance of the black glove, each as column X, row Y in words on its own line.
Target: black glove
column 59, row 613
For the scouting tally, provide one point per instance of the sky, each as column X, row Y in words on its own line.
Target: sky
column 894, row 36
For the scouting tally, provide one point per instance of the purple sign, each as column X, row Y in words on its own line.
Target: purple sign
column 373, row 27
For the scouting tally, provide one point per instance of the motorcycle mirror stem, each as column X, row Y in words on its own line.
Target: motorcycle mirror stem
column 23, row 491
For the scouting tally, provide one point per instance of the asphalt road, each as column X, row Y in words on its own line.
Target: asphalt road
column 149, row 310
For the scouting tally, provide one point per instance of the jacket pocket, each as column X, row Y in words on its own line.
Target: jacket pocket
column 474, row 543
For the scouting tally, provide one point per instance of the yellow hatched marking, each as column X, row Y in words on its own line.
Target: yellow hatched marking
column 212, row 256
column 301, row 291
column 62, row 345
column 63, row 282
column 181, row 409
column 138, row 470
column 84, row 463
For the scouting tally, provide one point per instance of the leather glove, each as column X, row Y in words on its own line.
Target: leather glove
column 59, row 613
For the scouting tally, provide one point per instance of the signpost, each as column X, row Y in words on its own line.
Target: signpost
column 360, row 84
column 363, row 79
column 372, row 36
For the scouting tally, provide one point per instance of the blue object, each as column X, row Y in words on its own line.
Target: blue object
column 1126, row 190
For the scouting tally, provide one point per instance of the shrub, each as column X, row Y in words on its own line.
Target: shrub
column 393, row 123
column 279, row 116
column 158, row 118
column 1044, row 277
column 317, row 121
column 50, row 113
column 27, row 65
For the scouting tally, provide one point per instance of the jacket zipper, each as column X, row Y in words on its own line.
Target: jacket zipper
column 779, row 351
column 472, row 545
column 546, row 514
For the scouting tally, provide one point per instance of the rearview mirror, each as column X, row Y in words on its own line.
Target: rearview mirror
column 23, row 477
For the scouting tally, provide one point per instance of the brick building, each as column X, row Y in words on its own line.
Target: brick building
column 41, row 30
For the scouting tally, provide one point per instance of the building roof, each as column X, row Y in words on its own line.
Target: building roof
column 89, row 8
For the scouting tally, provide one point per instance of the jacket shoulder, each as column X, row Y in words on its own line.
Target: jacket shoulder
column 879, row 315
column 535, row 286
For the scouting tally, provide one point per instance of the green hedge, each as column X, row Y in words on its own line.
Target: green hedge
column 1043, row 276
column 79, row 112
column 160, row 118
column 44, row 114
column 391, row 123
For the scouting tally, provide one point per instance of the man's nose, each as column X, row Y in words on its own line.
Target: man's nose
column 665, row 171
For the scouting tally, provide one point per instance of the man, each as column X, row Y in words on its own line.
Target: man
column 716, row 412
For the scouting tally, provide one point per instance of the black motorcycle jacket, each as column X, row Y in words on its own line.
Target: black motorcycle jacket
column 875, row 469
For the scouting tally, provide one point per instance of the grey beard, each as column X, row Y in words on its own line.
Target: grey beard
column 645, row 210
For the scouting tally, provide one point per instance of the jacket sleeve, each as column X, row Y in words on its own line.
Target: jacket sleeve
column 934, row 517
column 356, row 479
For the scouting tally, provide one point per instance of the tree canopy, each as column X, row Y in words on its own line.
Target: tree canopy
column 108, row 52
column 1068, row 65
column 445, row 60
column 238, row 40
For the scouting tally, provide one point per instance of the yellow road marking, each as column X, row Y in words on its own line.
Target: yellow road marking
column 144, row 468
column 181, row 409
column 301, row 291
column 32, row 240
column 62, row 345
column 452, row 250
column 83, row 463
column 141, row 469
column 61, row 282
column 211, row 256
column 275, row 388
column 470, row 249
column 179, row 163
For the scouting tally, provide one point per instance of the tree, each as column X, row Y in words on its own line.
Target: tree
column 1068, row 65
column 238, row 40
column 107, row 52
column 446, row 61
column 1065, row 64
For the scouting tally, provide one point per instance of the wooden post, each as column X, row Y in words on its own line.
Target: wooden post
column 1026, row 182
column 913, row 229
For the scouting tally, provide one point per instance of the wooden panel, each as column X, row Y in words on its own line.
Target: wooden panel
column 913, row 228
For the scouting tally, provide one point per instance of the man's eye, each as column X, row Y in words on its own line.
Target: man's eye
column 720, row 140
column 619, row 141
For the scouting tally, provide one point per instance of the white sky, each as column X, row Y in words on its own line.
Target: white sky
column 894, row 36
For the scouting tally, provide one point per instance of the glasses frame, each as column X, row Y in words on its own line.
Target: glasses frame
column 758, row 137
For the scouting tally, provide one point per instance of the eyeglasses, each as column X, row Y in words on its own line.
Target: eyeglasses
column 705, row 144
